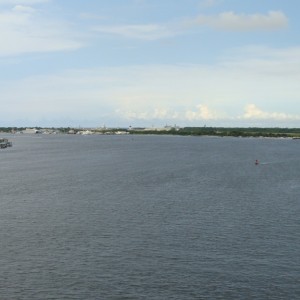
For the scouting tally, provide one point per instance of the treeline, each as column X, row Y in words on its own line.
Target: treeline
column 224, row 131
column 16, row 129
column 194, row 131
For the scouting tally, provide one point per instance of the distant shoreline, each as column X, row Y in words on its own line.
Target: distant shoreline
column 271, row 132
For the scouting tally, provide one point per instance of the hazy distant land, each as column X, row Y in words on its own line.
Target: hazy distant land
column 167, row 130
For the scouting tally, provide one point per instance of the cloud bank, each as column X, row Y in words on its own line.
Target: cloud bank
column 226, row 21
column 231, row 91
column 253, row 112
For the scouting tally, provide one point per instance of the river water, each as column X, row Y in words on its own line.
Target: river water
column 149, row 217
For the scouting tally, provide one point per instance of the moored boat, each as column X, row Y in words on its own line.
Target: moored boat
column 4, row 143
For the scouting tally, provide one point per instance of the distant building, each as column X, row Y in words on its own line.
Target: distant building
column 31, row 131
column 85, row 132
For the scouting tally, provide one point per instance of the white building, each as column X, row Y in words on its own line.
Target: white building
column 31, row 131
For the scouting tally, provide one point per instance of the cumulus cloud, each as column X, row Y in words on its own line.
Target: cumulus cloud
column 253, row 112
column 181, row 94
column 157, row 113
column 202, row 113
column 231, row 21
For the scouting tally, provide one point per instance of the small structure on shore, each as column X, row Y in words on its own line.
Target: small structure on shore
column 4, row 143
column 31, row 131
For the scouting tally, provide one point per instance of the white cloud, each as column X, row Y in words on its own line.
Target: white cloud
column 183, row 94
column 253, row 112
column 24, row 29
column 203, row 112
column 23, row 9
column 231, row 21
column 200, row 113
column 143, row 32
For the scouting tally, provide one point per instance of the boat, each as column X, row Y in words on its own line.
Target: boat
column 4, row 143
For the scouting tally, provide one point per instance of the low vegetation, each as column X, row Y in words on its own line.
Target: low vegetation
column 224, row 131
column 193, row 131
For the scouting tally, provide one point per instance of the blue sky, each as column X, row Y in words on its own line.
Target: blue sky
column 149, row 63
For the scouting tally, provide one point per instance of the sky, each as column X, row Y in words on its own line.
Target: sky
column 120, row 63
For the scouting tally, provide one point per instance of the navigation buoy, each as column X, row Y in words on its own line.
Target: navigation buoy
column 256, row 162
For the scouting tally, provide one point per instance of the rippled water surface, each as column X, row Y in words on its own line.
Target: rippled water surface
column 149, row 217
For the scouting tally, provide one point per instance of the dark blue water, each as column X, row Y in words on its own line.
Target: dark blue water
column 149, row 217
